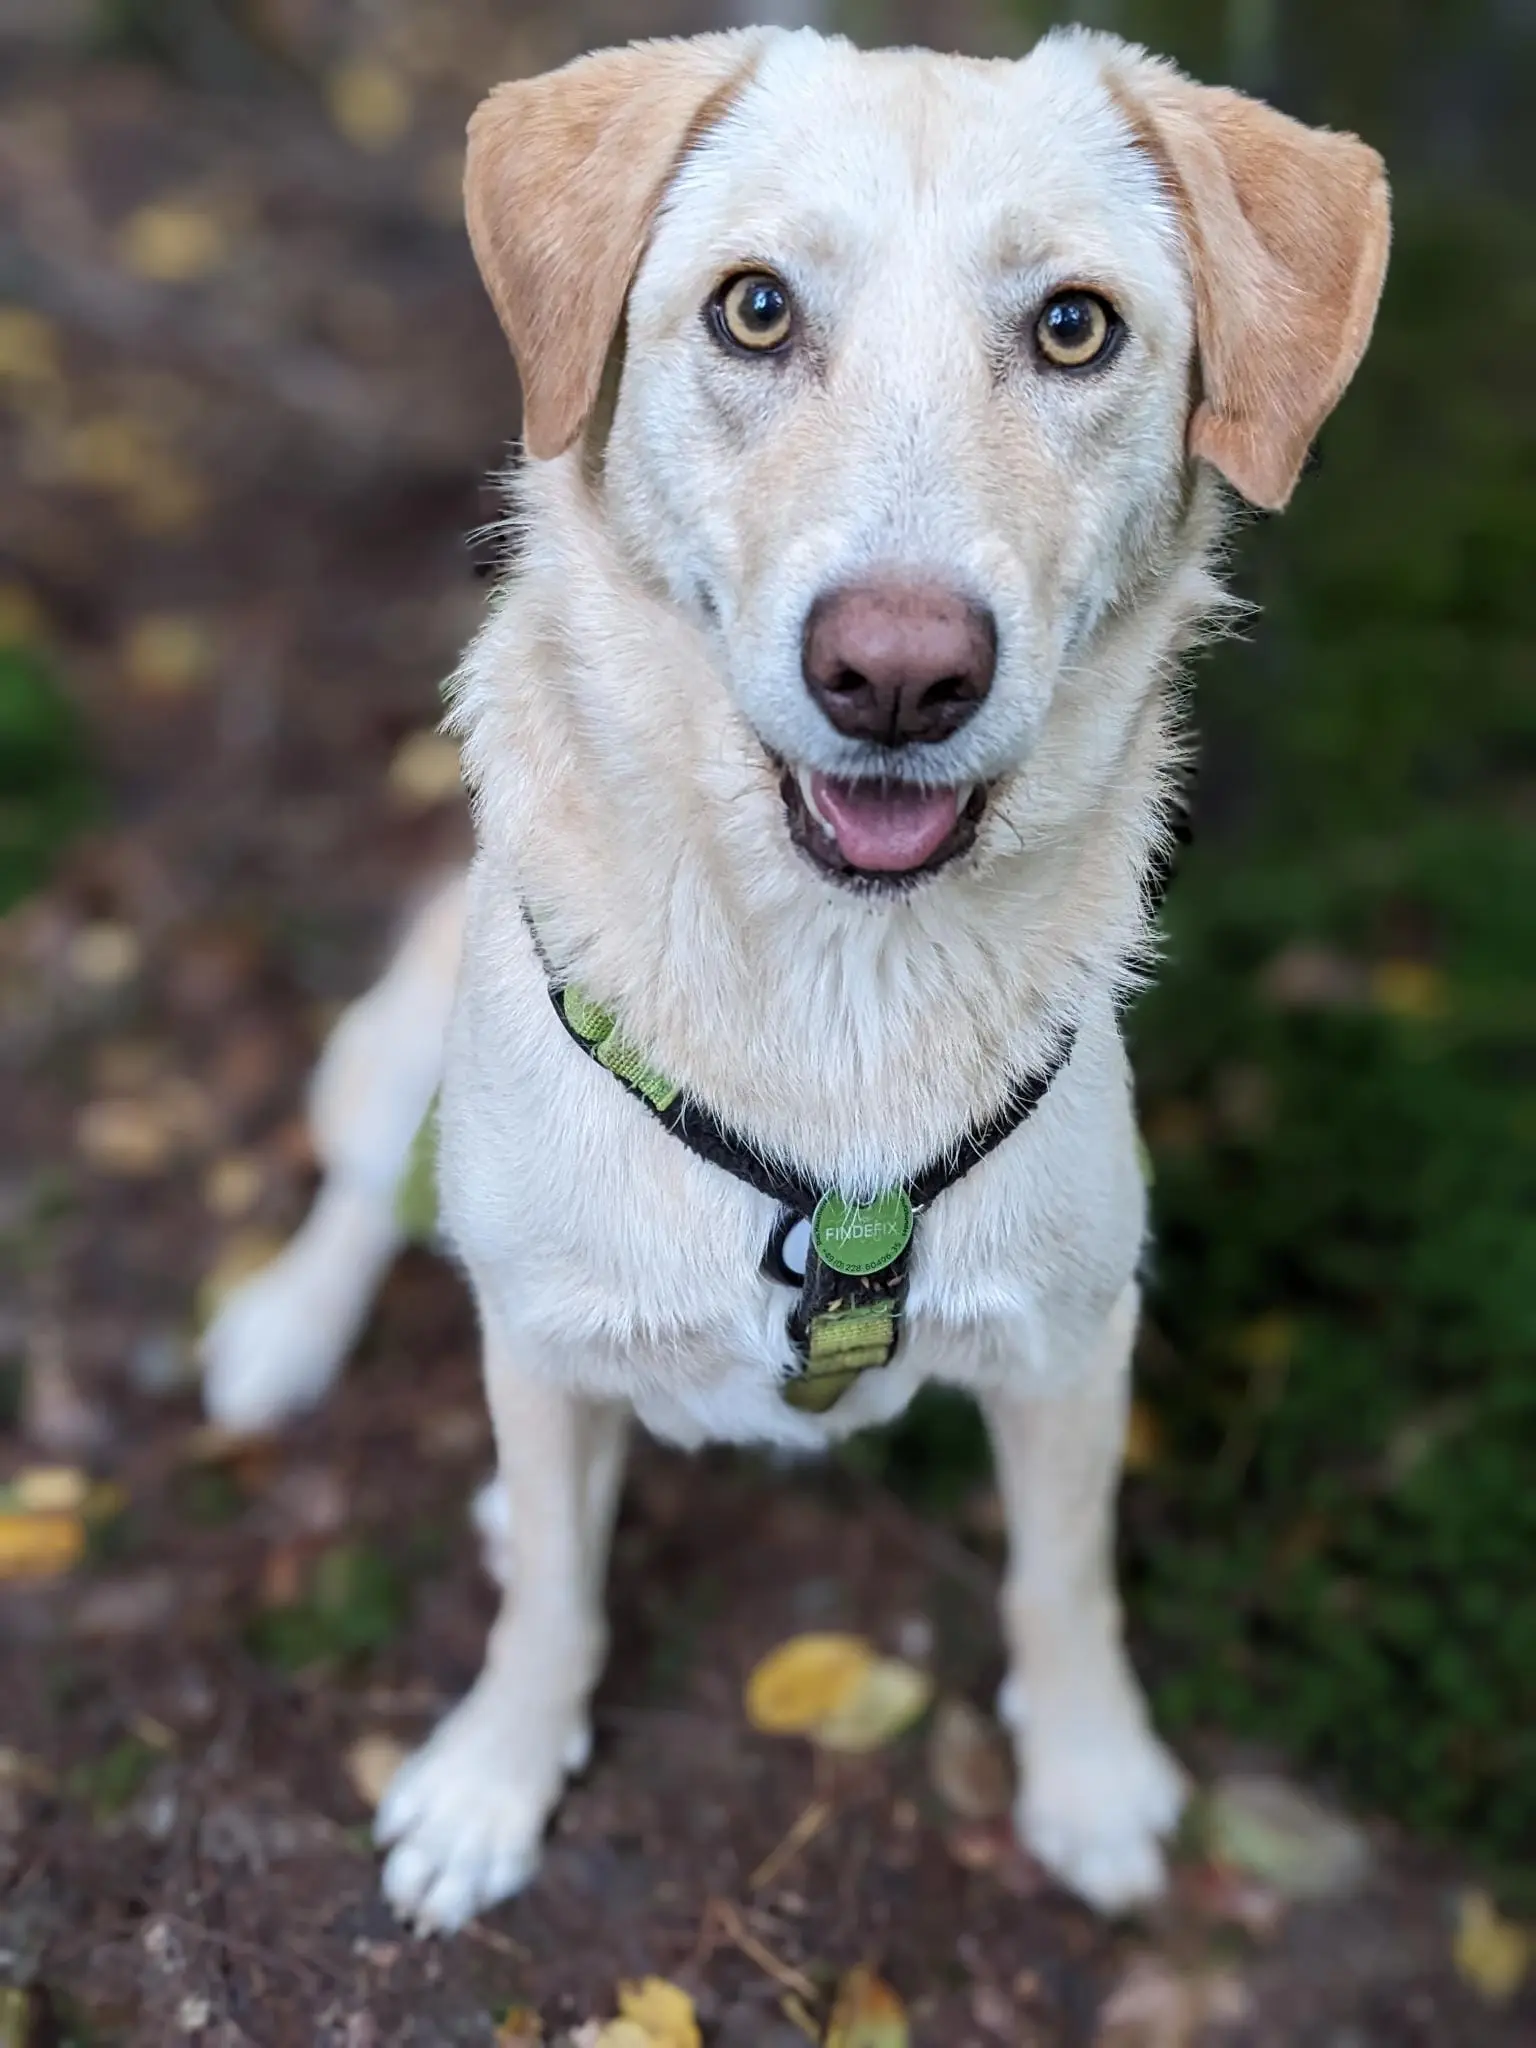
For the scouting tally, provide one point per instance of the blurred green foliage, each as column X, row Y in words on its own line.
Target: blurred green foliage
column 1337, row 1548
column 46, row 787
column 1333, row 1548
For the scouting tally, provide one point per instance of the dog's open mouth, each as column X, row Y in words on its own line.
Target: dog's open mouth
column 882, row 832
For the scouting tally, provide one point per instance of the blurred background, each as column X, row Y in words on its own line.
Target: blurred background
column 249, row 397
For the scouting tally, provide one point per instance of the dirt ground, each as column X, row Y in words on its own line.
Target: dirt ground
column 239, row 479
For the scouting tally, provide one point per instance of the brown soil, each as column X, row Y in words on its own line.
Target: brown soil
column 181, row 1853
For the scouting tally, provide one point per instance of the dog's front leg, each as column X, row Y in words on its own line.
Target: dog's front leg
column 466, row 1814
column 1099, row 1792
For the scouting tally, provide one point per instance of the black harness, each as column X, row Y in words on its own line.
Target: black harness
column 849, row 1261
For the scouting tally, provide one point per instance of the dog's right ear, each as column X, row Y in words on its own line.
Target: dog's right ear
column 562, row 182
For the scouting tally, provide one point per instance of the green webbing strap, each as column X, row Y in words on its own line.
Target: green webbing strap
column 416, row 1195
column 847, row 1319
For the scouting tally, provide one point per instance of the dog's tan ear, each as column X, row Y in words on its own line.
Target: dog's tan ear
column 562, row 181
column 1288, row 230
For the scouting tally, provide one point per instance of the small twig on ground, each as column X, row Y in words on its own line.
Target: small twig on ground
column 734, row 1928
column 805, row 1830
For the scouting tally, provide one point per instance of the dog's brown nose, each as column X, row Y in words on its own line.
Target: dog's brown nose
column 898, row 662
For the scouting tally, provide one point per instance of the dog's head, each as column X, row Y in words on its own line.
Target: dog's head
column 894, row 373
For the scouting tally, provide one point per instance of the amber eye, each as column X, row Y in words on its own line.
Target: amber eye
column 754, row 312
column 1075, row 329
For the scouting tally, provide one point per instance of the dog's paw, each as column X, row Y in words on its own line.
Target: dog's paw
column 278, row 1343
column 1096, row 1807
column 464, row 1817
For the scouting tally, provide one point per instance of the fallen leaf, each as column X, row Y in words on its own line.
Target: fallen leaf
column 1266, row 1345
column 520, row 2029
column 171, row 242
column 23, row 622
column 39, row 1546
column 867, row 2014
column 18, row 2011
column 370, row 104
column 803, row 1681
column 28, row 348
column 371, row 1763
column 1143, row 1439
column 105, row 955
column 1289, row 1841
column 663, row 2012
column 425, row 771
column 126, row 1139
column 968, row 1762
column 165, row 654
column 888, row 1699
column 1491, row 1953
column 232, row 1186
column 1408, row 988
column 1156, row 2005
column 50, row 1489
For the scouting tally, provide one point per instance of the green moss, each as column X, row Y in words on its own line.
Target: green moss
column 46, row 789
column 354, row 1605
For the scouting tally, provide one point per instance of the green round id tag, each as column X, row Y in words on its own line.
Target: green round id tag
column 862, row 1237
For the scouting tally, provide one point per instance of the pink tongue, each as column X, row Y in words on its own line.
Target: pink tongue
column 886, row 828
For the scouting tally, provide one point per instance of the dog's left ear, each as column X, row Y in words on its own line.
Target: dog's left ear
column 562, row 181
column 1288, row 229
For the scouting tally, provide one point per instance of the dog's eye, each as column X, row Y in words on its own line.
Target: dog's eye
column 754, row 312
column 1076, row 329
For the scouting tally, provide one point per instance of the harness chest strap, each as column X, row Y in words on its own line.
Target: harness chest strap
column 849, row 1260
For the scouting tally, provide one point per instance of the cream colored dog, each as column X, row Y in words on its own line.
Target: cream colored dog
column 822, row 738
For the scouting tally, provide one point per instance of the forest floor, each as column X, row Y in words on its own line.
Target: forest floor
column 242, row 433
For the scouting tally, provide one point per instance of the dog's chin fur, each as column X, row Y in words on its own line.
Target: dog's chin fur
column 624, row 800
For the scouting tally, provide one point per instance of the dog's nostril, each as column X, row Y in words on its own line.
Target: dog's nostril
column 899, row 663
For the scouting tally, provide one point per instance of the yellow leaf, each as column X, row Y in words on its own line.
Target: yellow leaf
column 104, row 955
column 370, row 104
column 232, row 1186
column 1408, row 988
column 1266, row 1344
column 51, row 1490
column 371, row 1762
column 125, row 1139
column 171, row 242
column 1491, row 1953
column 1143, row 1439
column 888, row 1699
column 804, row 1680
column 167, row 653
column 662, row 2011
column 520, row 2029
column 425, row 770
column 28, row 349
column 23, row 621
column 868, row 2014
column 621, row 2034
column 39, row 1546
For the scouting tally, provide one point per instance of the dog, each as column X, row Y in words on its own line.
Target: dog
column 883, row 413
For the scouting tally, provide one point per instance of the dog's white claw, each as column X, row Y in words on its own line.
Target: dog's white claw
column 1095, row 1810
column 464, row 1817
column 277, row 1344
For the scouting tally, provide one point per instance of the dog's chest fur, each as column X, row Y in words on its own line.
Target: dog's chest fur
column 629, row 1267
